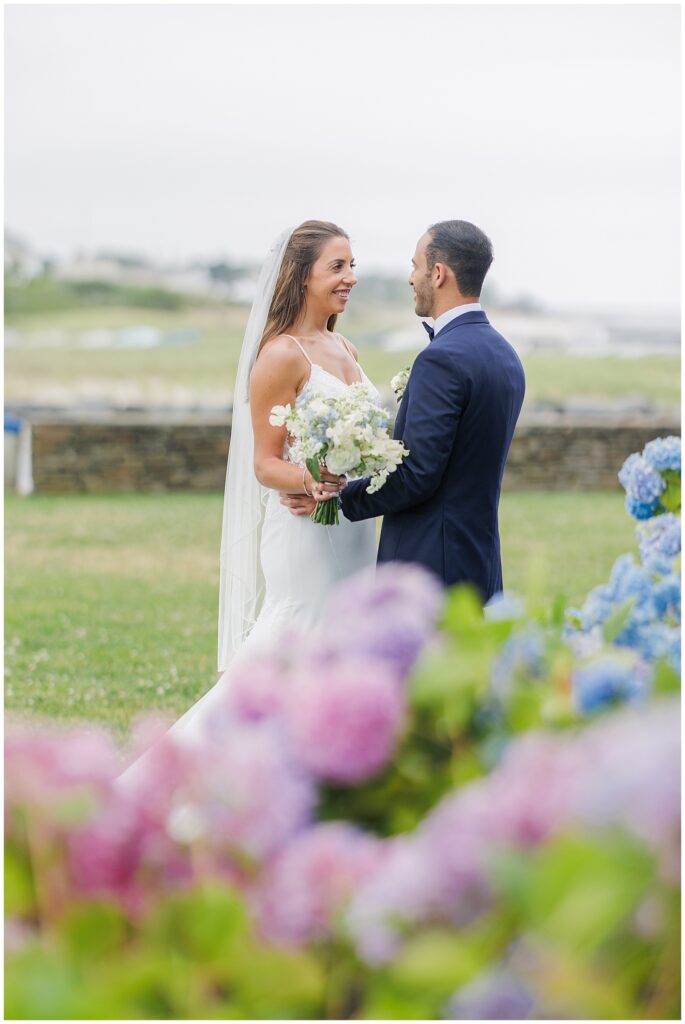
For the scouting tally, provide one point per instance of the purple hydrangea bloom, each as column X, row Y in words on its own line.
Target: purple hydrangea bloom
column 306, row 887
column 398, row 641
column 440, row 872
column 496, row 994
column 343, row 721
column 389, row 615
column 622, row 770
column 406, row 891
column 660, row 541
column 608, row 681
column 664, row 453
column 392, row 585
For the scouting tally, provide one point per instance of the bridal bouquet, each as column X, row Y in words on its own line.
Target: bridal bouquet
column 347, row 434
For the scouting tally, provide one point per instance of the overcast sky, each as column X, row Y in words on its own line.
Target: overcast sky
column 183, row 131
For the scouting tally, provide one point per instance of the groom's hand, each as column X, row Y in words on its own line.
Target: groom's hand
column 298, row 504
column 328, row 487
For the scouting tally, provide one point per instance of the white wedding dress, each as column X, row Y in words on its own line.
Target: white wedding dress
column 301, row 562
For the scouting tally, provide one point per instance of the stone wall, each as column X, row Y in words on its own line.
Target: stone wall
column 130, row 454
column 553, row 453
column 142, row 453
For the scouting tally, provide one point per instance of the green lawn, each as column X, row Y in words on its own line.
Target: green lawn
column 207, row 367
column 111, row 600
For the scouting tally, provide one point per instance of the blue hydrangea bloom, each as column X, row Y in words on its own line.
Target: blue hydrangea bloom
column 625, row 472
column 667, row 597
column 522, row 654
column 627, row 578
column 659, row 640
column 641, row 509
column 664, row 453
column 597, row 608
column 674, row 649
column 660, row 541
column 643, row 482
column 655, row 609
column 652, row 588
column 605, row 682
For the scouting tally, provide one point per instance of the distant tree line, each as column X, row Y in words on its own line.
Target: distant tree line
column 46, row 294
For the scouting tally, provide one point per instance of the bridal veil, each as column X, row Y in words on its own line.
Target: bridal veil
column 241, row 586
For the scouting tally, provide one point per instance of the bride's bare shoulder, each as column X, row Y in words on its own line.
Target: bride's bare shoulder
column 280, row 359
column 281, row 347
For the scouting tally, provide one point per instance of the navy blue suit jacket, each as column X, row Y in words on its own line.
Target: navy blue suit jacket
column 457, row 418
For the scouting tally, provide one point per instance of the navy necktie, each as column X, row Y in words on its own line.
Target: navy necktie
column 429, row 330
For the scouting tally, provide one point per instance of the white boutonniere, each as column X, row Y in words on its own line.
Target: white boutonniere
column 399, row 382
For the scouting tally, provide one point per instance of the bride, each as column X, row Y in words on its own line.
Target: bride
column 277, row 566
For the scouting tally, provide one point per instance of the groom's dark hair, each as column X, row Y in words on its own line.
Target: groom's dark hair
column 465, row 249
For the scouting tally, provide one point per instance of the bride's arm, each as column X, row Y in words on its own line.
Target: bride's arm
column 276, row 377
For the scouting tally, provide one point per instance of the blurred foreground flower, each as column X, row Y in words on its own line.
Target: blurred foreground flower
column 415, row 786
column 494, row 995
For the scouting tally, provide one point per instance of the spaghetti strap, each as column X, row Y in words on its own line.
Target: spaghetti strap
column 300, row 348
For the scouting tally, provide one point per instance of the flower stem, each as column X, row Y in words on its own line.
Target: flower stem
column 326, row 513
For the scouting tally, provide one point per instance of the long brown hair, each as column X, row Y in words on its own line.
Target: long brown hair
column 304, row 249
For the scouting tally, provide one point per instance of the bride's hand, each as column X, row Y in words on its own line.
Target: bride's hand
column 330, row 486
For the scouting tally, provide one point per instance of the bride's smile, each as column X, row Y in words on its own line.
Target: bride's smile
column 331, row 280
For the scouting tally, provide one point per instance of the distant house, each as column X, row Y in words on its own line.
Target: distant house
column 193, row 280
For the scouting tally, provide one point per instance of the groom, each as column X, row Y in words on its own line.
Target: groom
column 457, row 418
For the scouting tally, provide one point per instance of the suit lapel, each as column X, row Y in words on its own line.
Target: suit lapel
column 474, row 317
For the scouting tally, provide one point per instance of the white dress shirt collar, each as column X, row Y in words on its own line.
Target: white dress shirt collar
column 451, row 314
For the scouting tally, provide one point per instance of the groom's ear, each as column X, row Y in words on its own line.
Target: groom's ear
column 440, row 274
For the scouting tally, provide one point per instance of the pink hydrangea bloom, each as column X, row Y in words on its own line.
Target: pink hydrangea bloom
column 125, row 849
column 343, row 721
column 632, row 777
column 532, row 791
column 621, row 770
column 122, row 853
column 256, row 688
column 248, row 795
column 43, row 764
column 307, row 885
